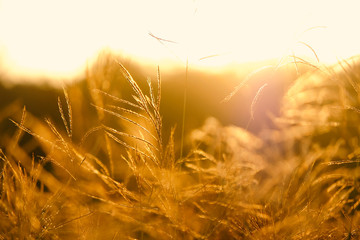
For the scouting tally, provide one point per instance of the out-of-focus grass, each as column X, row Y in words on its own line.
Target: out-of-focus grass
column 108, row 167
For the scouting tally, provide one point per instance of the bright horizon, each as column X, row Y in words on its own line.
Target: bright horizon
column 46, row 38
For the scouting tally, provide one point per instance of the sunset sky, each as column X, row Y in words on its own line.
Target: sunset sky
column 47, row 38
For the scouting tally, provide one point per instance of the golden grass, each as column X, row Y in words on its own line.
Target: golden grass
column 122, row 179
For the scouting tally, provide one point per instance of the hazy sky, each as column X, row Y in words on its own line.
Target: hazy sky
column 56, row 37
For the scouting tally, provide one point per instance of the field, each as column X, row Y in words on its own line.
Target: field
column 120, row 156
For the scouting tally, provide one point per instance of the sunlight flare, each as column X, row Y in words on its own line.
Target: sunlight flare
column 57, row 38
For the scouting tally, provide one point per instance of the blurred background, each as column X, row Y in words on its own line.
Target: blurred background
column 46, row 44
column 56, row 39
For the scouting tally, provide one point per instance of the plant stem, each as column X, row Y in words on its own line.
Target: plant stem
column 184, row 109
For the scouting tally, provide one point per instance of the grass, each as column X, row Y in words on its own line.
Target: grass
column 109, row 171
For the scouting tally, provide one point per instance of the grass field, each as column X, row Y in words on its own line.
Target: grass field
column 112, row 163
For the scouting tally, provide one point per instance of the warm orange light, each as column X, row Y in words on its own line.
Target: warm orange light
column 47, row 37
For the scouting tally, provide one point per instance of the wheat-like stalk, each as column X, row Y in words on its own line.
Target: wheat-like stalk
column 119, row 179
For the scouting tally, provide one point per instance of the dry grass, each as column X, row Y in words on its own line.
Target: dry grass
column 122, row 179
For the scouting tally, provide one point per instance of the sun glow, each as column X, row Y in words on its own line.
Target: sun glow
column 56, row 38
